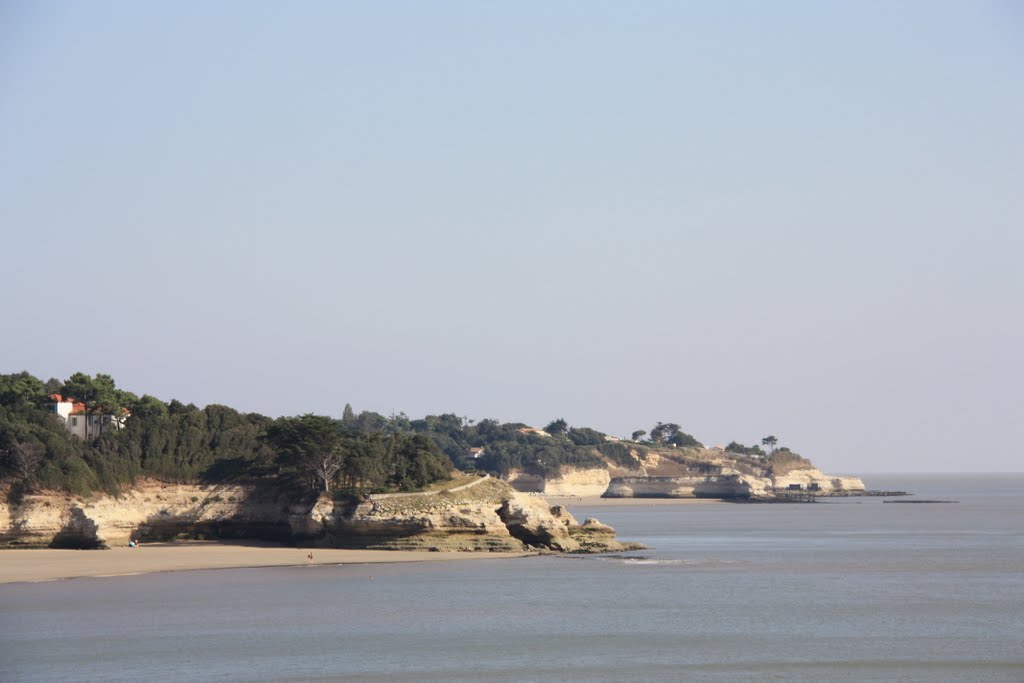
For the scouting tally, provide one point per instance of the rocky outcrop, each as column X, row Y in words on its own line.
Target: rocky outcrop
column 697, row 486
column 729, row 484
column 486, row 515
column 815, row 479
column 572, row 481
column 153, row 509
column 577, row 482
column 685, row 473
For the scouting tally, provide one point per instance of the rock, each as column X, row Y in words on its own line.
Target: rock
column 572, row 481
column 807, row 479
column 486, row 516
column 681, row 473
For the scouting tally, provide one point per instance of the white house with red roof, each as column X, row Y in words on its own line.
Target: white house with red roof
column 85, row 424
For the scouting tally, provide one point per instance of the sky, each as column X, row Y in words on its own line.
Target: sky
column 794, row 218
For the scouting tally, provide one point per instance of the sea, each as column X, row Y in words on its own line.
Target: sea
column 855, row 589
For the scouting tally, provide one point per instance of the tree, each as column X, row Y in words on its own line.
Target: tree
column 664, row 433
column 20, row 388
column 737, row 447
column 415, row 461
column 670, row 433
column 348, row 416
column 310, row 443
column 147, row 406
column 638, row 434
column 770, row 442
column 557, row 427
column 371, row 422
column 25, row 458
column 584, row 436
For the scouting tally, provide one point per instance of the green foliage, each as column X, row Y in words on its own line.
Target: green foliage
column 21, row 389
column 310, row 445
column 173, row 442
column 415, row 461
column 736, row 447
column 360, row 452
column 319, row 449
column 617, row 452
column 557, row 427
column 671, row 434
column 783, row 461
column 584, row 436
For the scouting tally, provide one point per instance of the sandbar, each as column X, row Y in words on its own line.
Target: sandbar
column 46, row 564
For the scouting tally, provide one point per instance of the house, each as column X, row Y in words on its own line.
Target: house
column 476, row 452
column 82, row 424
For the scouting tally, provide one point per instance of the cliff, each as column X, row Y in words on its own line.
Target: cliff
column 485, row 515
column 572, row 481
column 689, row 473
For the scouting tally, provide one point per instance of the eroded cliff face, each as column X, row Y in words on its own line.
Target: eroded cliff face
column 698, row 486
column 808, row 479
column 487, row 515
column 572, row 481
column 684, row 473
column 68, row 521
column 719, row 478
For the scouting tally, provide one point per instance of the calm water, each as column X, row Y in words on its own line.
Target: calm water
column 853, row 590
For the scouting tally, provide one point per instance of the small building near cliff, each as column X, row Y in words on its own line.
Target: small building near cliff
column 80, row 422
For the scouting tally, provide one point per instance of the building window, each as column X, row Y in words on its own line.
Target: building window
column 74, row 422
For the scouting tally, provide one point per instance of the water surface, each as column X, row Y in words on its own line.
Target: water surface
column 849, row 590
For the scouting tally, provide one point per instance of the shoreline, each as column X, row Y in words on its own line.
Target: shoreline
column 599, row 502
column 35, row 565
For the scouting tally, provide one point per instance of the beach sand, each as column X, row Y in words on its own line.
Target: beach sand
column 48, row 565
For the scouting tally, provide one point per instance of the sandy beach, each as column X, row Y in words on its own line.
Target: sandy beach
column 49, row 565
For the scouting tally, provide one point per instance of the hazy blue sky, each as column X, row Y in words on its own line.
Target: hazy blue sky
column 801, row 218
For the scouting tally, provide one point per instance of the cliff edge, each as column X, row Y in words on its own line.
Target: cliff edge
column 485, row 515
column 690, row 473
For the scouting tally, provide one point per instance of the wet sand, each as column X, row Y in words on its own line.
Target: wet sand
column 48, row 565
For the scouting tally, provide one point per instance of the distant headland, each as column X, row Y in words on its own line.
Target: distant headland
column 86, row 464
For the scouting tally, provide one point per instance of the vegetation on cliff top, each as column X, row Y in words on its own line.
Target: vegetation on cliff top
column 363, row 452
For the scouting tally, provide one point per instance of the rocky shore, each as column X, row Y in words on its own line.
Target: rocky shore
column 486, row 515
column 689, row 473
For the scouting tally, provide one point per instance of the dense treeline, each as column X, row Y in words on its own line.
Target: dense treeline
column 181, row 442
column 326, row 453
column 364, row 452
column 174, row 442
